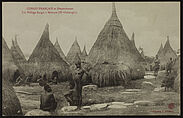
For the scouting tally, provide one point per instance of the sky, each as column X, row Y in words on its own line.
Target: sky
column 151, row 22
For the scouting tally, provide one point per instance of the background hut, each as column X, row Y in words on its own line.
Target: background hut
column 8, row 64
column 45, row 59
column 75, row 48
column 17, row 52
column 10, row 103
column 114, row 46
column 18, row 55
column 166, row 53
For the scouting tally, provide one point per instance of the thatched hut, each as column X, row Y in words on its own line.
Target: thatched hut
column 18, row 55
column 10, row 103
column 57, row 46
column 166, row 53
column 45, row 59
column 75, row 48
column 8, row 64
column 17, row 52
column 114, row 46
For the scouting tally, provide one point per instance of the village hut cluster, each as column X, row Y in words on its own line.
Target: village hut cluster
column 165, row 53
column 113, row 60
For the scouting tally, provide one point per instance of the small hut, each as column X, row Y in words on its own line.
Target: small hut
column 10, row 103
column 75, row 48
column 166, row 53
column 45, row 59
column 113, row 48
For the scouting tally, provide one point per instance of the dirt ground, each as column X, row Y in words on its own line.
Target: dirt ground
column 162, row 100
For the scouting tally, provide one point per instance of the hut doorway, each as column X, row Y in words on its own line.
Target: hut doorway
column 55, row 76
column 16, row 75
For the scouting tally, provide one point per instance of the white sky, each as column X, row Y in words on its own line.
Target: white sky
column 151, row 22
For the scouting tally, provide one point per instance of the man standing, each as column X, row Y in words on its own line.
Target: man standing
column 77, row 77
column 169, row 66
column 156, row 66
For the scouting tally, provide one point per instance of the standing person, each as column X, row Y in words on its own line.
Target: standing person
column 156, row 66
column 77, row 77
column 16, row 75
column 169, row 66
column 44, row 77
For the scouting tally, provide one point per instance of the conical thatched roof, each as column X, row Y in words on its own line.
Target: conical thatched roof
column 75, row 48
column 45, row 56
column 45, row 50
column 7, row 59
column 135, row 48
column 83, row 54
column 57, row 46
column 18, row 48
column 167, row 53
column 17, row 53
column 160, row 50
column 9, row 65
column 114, row 46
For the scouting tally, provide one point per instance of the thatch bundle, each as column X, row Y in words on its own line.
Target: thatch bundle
column 114, row 46
column 108, row 74
column 46, row 59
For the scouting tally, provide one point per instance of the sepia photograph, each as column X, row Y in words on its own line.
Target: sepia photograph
column 91, row 58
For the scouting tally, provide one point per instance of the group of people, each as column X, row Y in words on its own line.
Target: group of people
column 168, row 81
column 73, row 97
column 22, row 80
